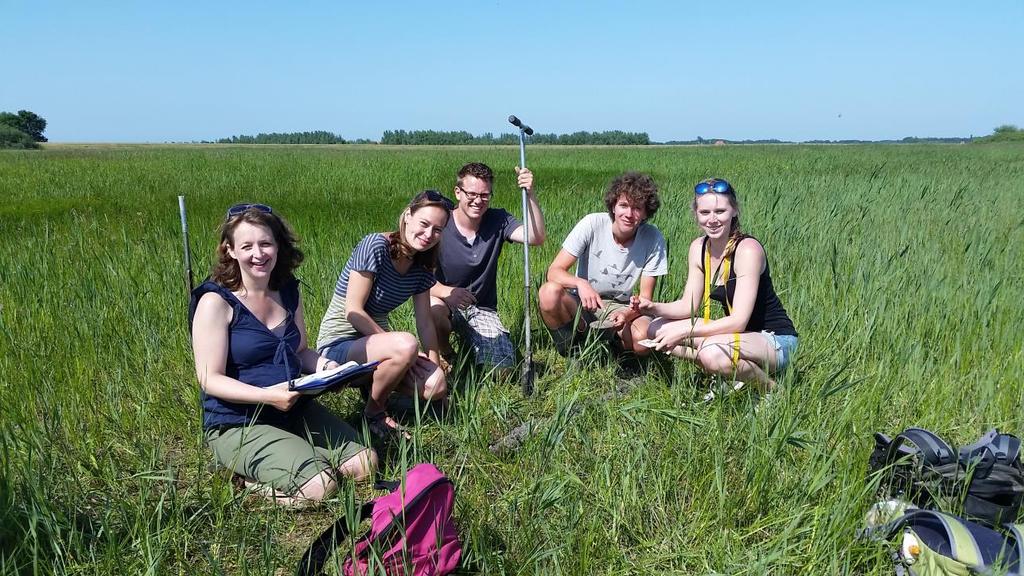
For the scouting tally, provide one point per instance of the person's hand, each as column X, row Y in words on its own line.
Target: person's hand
column 672, row 336
column 280, row 397
column 643, row 305
column 327, row 364
column 421, row 369
column 459, row 298
column 524, row 179
column 589, row 297
column 620, row 317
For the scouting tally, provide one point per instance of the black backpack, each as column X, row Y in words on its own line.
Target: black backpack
column 983, row 481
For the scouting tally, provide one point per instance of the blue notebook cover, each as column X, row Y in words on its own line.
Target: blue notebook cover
column 328, row 380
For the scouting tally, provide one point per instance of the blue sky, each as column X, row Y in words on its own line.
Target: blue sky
column 182, row 71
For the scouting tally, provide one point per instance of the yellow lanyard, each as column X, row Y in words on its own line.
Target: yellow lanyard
column 707, row 295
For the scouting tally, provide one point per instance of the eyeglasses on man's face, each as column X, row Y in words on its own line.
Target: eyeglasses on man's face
column 473, row 196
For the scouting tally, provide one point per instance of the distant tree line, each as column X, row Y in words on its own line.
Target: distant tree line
column 440, row 137
column 907, row 140
column 315, row 137
column 719, row 141
column 23, row 130
column 1003, row 133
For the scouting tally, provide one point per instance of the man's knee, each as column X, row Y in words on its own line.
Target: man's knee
column 435, row 390
column 549, row 296
column 638, row 332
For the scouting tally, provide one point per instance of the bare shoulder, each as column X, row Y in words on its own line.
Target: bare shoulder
column 695, row 249
column 750, row 257
column 750, row 247
column 212, row 307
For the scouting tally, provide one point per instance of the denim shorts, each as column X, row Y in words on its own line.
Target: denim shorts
column 785, row 346
column 338, row 350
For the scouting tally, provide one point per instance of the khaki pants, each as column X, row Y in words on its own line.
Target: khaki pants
column 286, row 458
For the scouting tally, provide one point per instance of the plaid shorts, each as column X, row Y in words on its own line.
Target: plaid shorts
column 486, row 335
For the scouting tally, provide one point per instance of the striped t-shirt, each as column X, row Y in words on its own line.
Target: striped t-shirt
column 390, row 289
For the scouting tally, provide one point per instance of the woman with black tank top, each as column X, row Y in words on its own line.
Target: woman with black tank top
column 249, row 340
column 755, row 339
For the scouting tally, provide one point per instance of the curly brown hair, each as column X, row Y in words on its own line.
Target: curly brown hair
column 398, row 247
column 477, row 169
column 225, row 271
column 638, row 188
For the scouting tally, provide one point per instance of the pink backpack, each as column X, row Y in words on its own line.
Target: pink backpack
column 412, row 532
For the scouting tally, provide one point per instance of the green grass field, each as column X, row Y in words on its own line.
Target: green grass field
column 900, row 265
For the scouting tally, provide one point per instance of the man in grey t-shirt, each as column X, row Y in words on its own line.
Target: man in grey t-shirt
column 465, row 298
column 612, row 251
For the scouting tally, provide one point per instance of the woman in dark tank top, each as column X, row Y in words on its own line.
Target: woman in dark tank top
column 755, row 340
column 249, row 340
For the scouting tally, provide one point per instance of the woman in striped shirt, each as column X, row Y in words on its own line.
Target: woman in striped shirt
column 385, row 270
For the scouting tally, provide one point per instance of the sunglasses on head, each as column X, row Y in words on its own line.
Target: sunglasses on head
column 715, row 185
column 434, row 196
column 240, row 208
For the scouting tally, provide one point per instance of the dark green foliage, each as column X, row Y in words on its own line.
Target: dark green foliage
column 28, row 122
column 315, row 137
column 1004, row 133
column 11, row 137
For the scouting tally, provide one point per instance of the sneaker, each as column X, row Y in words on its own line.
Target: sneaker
column 765, row 402
column 723, row 388
column 279, row 498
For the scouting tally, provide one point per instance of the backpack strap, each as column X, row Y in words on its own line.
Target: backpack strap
column 992, row 448
column 388, row 485
column 315, row 557
column 1017, row 530
column 977, row 450
column 1007, row 449
column 935, row 450
column 385, row 533
column 962, row 545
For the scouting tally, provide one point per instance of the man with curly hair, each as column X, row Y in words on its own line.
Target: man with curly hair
column 465, row 298
column 612, row 251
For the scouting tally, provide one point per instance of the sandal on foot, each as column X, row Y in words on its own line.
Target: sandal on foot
column 723, row 388
column 384, row 426
column 447, row 365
